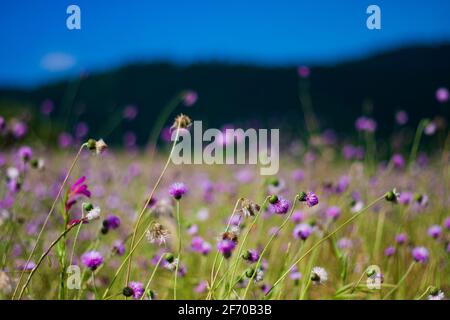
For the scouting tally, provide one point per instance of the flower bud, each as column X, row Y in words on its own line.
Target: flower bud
column 127, row 292
column 273, row 199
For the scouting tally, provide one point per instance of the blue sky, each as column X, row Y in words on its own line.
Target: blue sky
column 37, row 47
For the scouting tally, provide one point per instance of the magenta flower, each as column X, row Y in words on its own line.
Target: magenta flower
column 226, row 247
column 79, row 188
column 365, row 124
column 65, row 140
column 138, row 289
column 401, row 117
column 302, row 231
column 435, row 231
column 251, row 256
column 19, row 129
column 420, row 254
column 47, row 107
column 442, row 95
column 177, row 190
column 281, row 206
column 398, row 161
column 447, row 223
column 389, row 251
column 92, row 259
column 112, row 222
column 303, row 71
column 118, row 247
column 401, row 238
column 25, row 153
column 130, row 112
column 333, row 212
column 310, row 198
column 190, row 98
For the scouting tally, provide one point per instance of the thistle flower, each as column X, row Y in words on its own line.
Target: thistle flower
column 137, row 288
column 111, row 222
column 401, row 238
column 420, row 254
column 251, row 256
column 249, row 208
column 302, row 231
column 447, row 223
column 389, row 251
column 333, row 212
column 25, row 153
column 118, row 247
column 435, row 231
column 401, row 117
column 398, row 161
column 319, row 275
column 189, row 98
column 442, row 95
column 366, row 124
column 310, row 198
column 92, row 259
column 226, row 247
column 177, row 190
column 157, row 234
column 280, row 206
column 182, row 121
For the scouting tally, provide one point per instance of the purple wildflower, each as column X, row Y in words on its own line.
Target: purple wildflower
column 190, row 98
column 138, row 289
column 25, row 153
column 130, row 112
column 333, row 212
column 447, row 223
column 435, row 231
column 398, row 161
column 112, row 222
column 401, row 117
column 281, row 206
column 119, row 247
column 226, row 247
column 302, row 231
column 251, row 256
column 389, row 251
column 177, row 190
column 442, row 95
column 401, row 238
column 92, row 259
column 310, row 198
column 366, row 124
column 420, row 254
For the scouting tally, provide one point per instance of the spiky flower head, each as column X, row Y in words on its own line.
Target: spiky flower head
column 157, row 234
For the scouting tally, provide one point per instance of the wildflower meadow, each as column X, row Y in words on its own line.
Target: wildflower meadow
column 341, row 219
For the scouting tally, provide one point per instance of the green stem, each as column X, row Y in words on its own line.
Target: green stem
column 400, row 281
column 343, row 225
column 151, row 277
column 268, row 244
column 179, row 251
column 72, row 166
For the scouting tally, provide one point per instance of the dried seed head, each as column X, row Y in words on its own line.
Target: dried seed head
column 249, row 208
column 157, row 234
column 182, row 121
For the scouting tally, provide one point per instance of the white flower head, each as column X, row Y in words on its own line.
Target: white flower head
column 12, row 173
column 438, row 296
column 319, row 275
column 93, row 214
column 157, row 234
column 259, row 275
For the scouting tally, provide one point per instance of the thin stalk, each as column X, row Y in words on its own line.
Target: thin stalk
column 241, row 247
column 151, row 277
column 125, row 261
column 400, row 281
column 416, row 143
column 48, row 215
column 44, row 255
column 179, row 251
column 343, row 225
column 268, row 244
column 141, row 214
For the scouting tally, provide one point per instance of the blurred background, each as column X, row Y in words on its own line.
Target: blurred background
column 244, row 63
